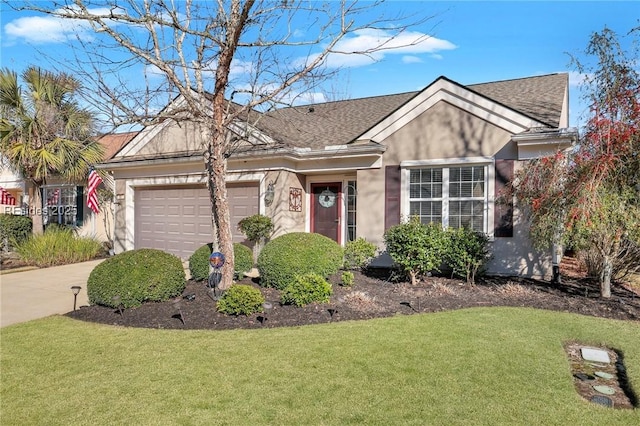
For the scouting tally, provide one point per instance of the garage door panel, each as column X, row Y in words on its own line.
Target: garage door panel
column 178, row 219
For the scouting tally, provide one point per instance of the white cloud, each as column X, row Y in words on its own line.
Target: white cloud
column 436, row 56
column 41, row 30
column 409, row 59
column 367, row 46
column 50, row 29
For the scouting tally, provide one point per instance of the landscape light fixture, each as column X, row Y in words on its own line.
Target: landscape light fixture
column 75, row 289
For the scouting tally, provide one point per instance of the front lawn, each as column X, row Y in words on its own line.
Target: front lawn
column 484, row 366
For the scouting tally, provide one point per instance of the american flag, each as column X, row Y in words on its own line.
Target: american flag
column 92, row 195
column 7, row 198
column 53, row 199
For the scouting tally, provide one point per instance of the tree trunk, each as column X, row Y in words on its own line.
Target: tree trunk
column 35, row 208
column 216, row 181
column 605, row 277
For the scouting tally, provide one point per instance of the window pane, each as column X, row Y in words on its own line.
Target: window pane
column 478, row 190
column 414, row 191
column 454, row 190
column 465, row 190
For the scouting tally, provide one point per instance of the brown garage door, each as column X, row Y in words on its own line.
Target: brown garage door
column 178, row 219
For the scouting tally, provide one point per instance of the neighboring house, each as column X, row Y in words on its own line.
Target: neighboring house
column 354, row 168
column 66, row 203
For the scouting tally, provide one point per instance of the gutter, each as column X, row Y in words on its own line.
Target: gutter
column 299, row 154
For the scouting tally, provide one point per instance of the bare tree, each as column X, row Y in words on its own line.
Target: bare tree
column 193, row 48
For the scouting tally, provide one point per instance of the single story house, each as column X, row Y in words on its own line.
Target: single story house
column 354, row 168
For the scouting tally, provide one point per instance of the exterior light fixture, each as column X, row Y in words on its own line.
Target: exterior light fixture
column 75, row 289
column 269, row 194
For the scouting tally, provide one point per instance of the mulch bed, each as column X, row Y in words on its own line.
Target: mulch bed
column 373, row 297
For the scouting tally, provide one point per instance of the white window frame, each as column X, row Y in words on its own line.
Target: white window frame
column 446, row 164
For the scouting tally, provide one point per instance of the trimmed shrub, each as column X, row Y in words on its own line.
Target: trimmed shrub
column 58, row 246
column 467, row 253
column 415, row 247
column 305, row 289
column 135, row 277
column 199, row 261
column 347, row 278
column 358, row 254
column 298, row 253
column 14, row 230
column 256, row 227
column 241, row 299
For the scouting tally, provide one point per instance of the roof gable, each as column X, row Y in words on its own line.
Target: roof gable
column 458, row 95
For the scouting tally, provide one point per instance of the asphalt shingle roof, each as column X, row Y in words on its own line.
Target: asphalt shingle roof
column 335, row 123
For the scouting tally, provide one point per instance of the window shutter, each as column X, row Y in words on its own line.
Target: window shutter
column 391, row 196
column 79, row 205
column 503, row 217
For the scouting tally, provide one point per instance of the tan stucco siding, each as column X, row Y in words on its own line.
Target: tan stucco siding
column 185, row 137
column 285, row 220
column 516, row 255
column 444, row 131
column 370, row 205
column 120, row 213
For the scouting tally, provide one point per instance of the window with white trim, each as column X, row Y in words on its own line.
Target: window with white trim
column 454, row 196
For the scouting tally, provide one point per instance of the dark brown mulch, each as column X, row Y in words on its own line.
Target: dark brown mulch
column 372, row 297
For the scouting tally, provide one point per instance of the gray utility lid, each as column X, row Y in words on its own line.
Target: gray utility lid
column 595, row 355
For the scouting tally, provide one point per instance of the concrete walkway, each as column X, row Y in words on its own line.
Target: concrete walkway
column 38, row 293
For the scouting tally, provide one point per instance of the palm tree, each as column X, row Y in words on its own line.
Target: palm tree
column 44, row 132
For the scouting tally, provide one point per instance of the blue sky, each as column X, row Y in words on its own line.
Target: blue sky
column 473, row 42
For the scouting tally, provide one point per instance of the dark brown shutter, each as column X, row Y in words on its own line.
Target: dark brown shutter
column 391, row 196
column 503, row 216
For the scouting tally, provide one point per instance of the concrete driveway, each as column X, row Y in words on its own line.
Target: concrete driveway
column 38, row 293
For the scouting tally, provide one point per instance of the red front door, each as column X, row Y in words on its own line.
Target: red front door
column 325, row 209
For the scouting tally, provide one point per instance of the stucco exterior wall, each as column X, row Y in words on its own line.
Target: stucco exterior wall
column 444, row 131
column 120, row 217
column 173, row 138
column 516, row 255
column 284, row 220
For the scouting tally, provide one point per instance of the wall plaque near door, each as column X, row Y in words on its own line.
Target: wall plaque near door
column 295, row 199
column 327, row 198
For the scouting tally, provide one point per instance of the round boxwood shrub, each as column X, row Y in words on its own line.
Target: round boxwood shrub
column 199, row 261
column 305, row 289
column 297, row 253
column 136, row 276
column 241, row 299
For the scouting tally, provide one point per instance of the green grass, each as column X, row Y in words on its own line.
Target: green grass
column 469, row 367
column 58, row 246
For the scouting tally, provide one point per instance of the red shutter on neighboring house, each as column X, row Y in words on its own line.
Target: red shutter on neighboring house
column 391, row 196
column 503, row 217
